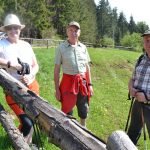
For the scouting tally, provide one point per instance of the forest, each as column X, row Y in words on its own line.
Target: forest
column 100, row 24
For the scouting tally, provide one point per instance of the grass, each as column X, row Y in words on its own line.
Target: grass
column 111, row 70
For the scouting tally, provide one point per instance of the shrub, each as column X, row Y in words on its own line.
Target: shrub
column 106, row 41
column 134, row 40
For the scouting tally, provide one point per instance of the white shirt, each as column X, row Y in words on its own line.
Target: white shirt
column 11, row 52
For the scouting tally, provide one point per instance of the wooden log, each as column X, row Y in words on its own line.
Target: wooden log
column 64, row 132
column 119, row 140
column 14, row 134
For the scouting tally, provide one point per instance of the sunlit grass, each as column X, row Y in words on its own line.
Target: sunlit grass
column 111, row 70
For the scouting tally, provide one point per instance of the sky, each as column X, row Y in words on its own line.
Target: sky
column 139, row 9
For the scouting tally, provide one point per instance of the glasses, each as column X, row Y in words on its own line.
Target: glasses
column 8, row 28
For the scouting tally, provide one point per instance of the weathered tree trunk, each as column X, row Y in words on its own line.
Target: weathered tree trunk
column 61, row 130
column 13, row 133
column 120, row 141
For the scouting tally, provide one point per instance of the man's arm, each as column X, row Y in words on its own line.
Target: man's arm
column 139, row 95
column 88, row 74
column 89, row 80
column 35, row 66
column 8, row 64
column 56, row 81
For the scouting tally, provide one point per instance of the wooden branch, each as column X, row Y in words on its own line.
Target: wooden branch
column 64, row 132
column 14, row 134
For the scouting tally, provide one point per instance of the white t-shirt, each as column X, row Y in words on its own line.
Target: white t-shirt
column 11, row 52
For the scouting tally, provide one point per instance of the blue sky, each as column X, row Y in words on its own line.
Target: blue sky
column 139, row 9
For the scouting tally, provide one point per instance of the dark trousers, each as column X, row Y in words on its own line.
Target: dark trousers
column 139, row 110
column 82, row 106
column 26, row 124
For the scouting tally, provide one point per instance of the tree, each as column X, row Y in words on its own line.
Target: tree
column 46, row 18
column 69, row 10
column 1, row 11
column 114, row 19
column 132, row 26
column 122, row 27
column 88, row 20
column 103, row 18
column 37, row 20
column 141, row 27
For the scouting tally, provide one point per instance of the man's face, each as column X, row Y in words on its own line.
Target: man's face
column 73, row 32
column 147, row 43
column 13, row 32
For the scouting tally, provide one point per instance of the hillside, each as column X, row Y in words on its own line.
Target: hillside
column 111, row 70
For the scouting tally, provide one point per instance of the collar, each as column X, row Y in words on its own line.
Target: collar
column 68, row 44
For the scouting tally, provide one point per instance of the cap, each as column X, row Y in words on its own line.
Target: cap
column 74, row 23
column 147, row 32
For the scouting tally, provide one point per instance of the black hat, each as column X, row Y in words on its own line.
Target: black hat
column 147, row 32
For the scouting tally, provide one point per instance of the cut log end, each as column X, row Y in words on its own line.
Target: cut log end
column 119, row 140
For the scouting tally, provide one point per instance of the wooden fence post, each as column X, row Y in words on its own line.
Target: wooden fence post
column 47, row 43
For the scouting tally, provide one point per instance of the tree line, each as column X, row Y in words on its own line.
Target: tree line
column 100, row 24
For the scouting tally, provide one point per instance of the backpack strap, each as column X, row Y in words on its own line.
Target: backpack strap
column 139, row 60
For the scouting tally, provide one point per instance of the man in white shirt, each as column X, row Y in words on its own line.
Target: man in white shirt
column 18, row 59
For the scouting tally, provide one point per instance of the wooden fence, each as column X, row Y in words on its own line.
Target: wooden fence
column 43, row 43
column 46, row 43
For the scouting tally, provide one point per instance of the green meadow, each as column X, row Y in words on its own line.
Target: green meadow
column 109, row 107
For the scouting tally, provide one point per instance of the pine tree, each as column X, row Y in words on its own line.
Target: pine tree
column 132, row 25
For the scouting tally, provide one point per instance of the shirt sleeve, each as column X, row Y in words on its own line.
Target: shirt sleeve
column 134, row 71
column 58, row 58
column 88, row 57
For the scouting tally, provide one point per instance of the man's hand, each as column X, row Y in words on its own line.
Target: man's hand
column 14, row 65
column 58, row 94
column 27, row 78
column 140, row 97
column 133, row 91
column 91, row 90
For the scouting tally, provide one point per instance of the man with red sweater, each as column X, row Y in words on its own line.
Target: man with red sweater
column 75, row 87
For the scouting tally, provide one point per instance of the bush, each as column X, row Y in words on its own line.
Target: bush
column 106, row 41
column 134, row 40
